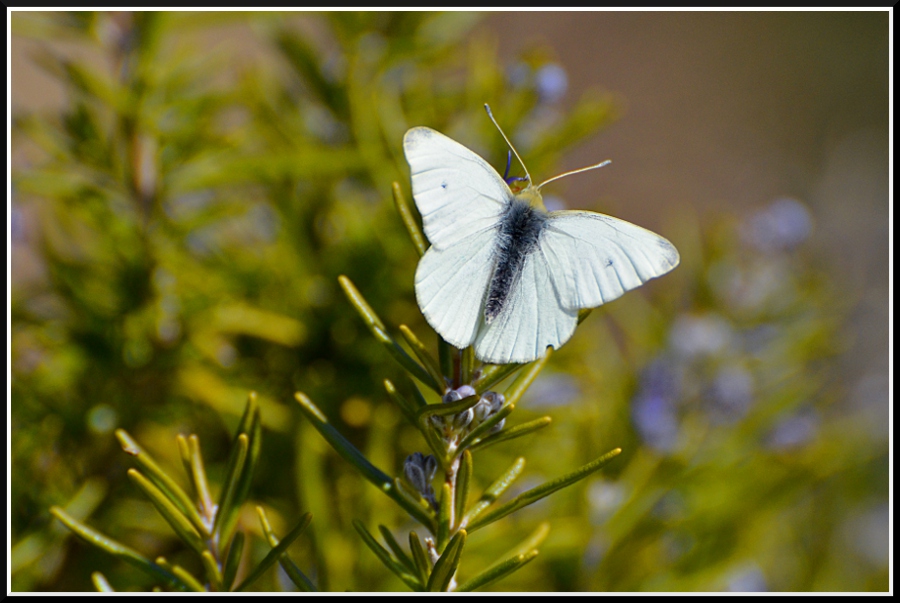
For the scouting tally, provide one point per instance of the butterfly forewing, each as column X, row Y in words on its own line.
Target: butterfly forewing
column 456, row 191
column 595, row 258
column 451, row 285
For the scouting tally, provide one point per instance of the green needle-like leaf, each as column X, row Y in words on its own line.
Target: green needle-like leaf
column 169, row 511
column 380, row 332
column 353, row 456
column 446, row 566
column 485, row 427
column 498, row 571
column 494, row 491
column 511, row 433
column 299, row 579
column 212, row 571
column 493, row 374
column 230, row 513
column 162, row 480
column 422, row 354
column 198, row 473
column 229, row 489
column 119, row 550
column 233, row 561
column 414, row 497
column 445, row 512
column 249, row 416
column 533, row 540
column 525, row 379
column 420, row 557
column 239, row 470
column 275, row 554
column 185, row 453
column 467, row 364
column 451, row 408
column 408, row 408
column 409, row 220
column 536, row 494
column 101, row 583
column 446, row 352
column 463, row 479
column 398, row 551
column 188, row 578
column 418, row 399
column 385, row 557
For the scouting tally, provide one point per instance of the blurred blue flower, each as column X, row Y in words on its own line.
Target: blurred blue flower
column 756, row 341
column 16, row 223
column 656, row 422
column 653, row 408
column 551, row 82
column 781, row 226
column 794, row 431
column 749, row 579
column 730, row 394
column 700, row 335
column 552, row 390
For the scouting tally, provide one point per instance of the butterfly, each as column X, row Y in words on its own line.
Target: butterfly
column 503, row 273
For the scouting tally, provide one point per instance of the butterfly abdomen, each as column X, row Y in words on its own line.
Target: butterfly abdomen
column 518, row 233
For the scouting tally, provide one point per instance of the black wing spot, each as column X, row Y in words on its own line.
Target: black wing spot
column 444, row 184
column 609, row 262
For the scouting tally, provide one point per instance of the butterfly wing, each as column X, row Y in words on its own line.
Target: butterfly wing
column 451, row 285
column 457, row 192
column 532, row 318
column 596, row 258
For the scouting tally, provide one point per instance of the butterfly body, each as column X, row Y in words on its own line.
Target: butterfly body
column 502, row 273
column 518, row 235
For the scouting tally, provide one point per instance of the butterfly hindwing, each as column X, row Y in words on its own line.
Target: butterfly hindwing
column 531, row 320
column 595, row 258
column 456, row 191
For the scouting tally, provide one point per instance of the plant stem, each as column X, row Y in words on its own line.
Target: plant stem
column 452, row 471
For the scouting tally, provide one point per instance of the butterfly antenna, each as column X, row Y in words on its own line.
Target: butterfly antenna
column 584, row 169
column 491, row 115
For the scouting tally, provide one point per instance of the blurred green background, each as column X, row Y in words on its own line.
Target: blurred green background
column 188, row 186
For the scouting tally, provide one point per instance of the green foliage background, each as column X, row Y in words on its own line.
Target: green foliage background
column 187, row 215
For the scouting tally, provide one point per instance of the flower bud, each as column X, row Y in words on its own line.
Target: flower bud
column 463, row 419
column 465, row 391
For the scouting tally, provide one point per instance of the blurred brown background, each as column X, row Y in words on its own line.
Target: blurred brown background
column 725, row 111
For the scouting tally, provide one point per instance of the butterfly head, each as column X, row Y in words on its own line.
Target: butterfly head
column 529, row 192
column 531, row 195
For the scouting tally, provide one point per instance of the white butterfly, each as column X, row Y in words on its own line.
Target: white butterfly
column 502, row 272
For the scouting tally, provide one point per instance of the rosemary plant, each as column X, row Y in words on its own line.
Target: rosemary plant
column 469, row 416
column 207, row 527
